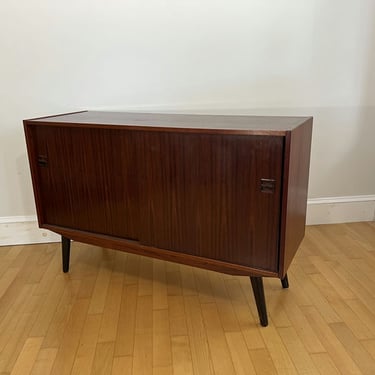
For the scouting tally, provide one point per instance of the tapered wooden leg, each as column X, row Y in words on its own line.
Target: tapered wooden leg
column 65, row 245
column 285, row 282
column 258, row 290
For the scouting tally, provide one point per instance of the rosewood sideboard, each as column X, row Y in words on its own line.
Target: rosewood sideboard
column 224, row 193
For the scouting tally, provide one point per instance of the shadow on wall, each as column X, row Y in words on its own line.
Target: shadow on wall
column 343, row 152
column 24, row 183
column 357, row 153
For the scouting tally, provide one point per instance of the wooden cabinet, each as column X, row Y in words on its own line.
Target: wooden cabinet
column 226, row 193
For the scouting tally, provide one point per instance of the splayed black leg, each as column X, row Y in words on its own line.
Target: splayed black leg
column 65, row 245
column 285, row 282
column 258, row 290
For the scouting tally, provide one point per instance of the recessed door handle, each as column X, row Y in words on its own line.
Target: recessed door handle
column 42, row 161
column 267, row 185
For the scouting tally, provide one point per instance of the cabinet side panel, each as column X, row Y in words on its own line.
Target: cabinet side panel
column 294, row 204
column 31, row 152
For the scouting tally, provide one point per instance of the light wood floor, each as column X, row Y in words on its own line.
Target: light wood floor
column 122, row 314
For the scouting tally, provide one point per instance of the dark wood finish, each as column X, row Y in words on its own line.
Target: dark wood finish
column 226, row 193
column 285, row 282
column 154, row 252
column 258, row 290
column 95, row 184
column 295, row 183
column 202, row 200
column 65, row 247
column 186, row 123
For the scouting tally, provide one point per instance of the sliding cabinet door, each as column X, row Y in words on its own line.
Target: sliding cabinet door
column 214, row 196
column 87, row 178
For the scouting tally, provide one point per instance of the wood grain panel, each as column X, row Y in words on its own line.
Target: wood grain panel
column 295, row 183
column 203, row 196
column 89, row 179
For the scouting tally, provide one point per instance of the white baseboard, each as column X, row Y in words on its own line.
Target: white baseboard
column 19, row 230
column 340, row 209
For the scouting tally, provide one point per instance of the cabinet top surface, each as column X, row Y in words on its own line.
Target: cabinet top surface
column 277, row 125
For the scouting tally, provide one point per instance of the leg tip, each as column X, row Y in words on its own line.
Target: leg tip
column 285, row 282
column 264, row 322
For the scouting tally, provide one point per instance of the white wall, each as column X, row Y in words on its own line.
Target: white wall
column 312, row 57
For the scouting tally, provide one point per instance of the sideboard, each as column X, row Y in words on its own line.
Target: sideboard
column 224, row 193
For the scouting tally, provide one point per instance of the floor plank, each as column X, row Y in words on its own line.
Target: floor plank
column 117, row 313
